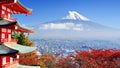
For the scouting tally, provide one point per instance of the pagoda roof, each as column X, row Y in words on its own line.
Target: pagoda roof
column 20, row 48
column 12, row 25
column 17, row 7
column 6, row 23
column 24, row 29
column 23, row 66
column 4, row 50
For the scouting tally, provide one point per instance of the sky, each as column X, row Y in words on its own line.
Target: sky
column 105, row 12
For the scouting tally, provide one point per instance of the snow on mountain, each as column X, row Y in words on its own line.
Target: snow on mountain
column 73, row 21
column 74, row 25
column 72, row 32
column 75, row 16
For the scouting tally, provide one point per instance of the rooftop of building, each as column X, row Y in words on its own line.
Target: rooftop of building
column 20, row 27
column 16, row 7
column 4, row 50
column 20, row 48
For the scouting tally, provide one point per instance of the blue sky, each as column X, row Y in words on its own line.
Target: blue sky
column 106, row 12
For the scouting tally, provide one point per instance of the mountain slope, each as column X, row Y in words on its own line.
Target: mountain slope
column 75, row 16
column 75, row 26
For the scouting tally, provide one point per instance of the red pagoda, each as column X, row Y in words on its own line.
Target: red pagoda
column 9, row 49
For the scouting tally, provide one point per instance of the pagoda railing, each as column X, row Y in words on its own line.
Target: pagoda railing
column 12, row 40
column 10, row 19
column 9, row 65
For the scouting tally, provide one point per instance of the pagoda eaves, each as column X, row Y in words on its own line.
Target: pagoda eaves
column 15, row 7
column 15, row 26
column 8, row 25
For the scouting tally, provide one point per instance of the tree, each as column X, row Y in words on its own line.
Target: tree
column 24, row 40
column 48, row 61
column 102, row 58
column 15, row 35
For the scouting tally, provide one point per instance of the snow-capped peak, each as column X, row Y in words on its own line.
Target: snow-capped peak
column 76, row 16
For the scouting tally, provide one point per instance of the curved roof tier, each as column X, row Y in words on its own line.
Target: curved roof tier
column 4, row 50
column 24, row 66
column 13, row 25
column 24, row 29
column 5, row 23
column 20, row 48
column 16, row 7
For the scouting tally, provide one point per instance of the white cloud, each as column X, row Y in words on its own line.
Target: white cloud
column 54, row 26
column 78, row 29
column 65, row 26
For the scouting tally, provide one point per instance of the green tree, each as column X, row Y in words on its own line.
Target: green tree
column 24, row 40
column 15, row 35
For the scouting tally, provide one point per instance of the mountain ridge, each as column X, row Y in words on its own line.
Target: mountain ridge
column 75, row 28
column 75, row 16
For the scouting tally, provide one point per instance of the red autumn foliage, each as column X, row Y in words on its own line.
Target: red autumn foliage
column 101, row 58
column 48, row 61
column 30, row 59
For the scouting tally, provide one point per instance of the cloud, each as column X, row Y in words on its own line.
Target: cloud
column 65, row 26
column 78, row 29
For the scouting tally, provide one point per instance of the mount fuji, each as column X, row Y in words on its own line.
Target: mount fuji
column 74, row 26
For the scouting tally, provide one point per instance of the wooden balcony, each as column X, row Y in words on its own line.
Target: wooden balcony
column 9, row 65
column 12, row 40
column 5, row 17
column 10, row 19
